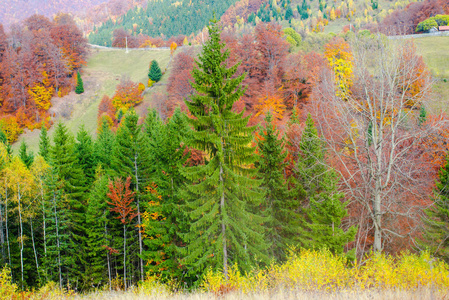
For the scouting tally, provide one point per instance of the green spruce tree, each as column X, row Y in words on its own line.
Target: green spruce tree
column 222, row 193
column 44, row 144
column 27, row 158
column 99, row 235
column 4, row 141
column 323, row 206
column 104, row 146
column 79, row 89
column 155, row 72
column 84, row 149
column 71, row 187
column 422, row 115
column 131, row 158
column 280, row 208
column 168, row 222
column 436, row 219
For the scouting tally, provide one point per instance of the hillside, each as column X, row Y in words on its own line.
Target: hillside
column 17, row 10
column 101, row 75
column 162, row 18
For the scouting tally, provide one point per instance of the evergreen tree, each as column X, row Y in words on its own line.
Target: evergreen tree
column 323, row 206
column 288, row 13
column 436, row 220
column 279, row 206
column 155, row 72
column 79, row 89
column 58, row 256
column 26, row 158
column 99, row 234
column 44, row 144
column 4, row 141
column 166, row 220
column 222, row 194
column 104, row 145
column 422, row 115
column 131, row 158
column 84, row 149
column 71, row 187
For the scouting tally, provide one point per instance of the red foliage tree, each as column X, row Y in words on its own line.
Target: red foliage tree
column 179, row 88
column 121, row 201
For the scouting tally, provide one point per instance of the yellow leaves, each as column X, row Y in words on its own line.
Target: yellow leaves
column 339, row 56
column 322, row 271
column 273, row 103
column 173, row 47
column 8, row 290
column 20, row 179
column 42, row 93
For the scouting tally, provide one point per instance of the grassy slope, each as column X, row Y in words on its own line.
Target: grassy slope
column 101, row 75
column 435, row 51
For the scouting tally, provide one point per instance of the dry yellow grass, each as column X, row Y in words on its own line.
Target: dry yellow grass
column 424, row 294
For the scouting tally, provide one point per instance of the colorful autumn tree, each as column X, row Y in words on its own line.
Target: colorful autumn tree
column 127, row 94
column 121, row 199
column 42, row 93
column 339, row 57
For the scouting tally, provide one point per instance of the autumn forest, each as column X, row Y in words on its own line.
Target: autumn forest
column 267, row 148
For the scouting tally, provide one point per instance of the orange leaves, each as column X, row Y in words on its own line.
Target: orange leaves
column 121, row 199
column 126, row 95
column 173, row 47
column 414, row 75
column 273, row 103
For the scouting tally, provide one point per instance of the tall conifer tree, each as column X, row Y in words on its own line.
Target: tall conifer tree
column 84, row 149
column 280, row 208
column 104, row 145
column 317, row 186
column 44, row 144
column 71, row 187
column 166, row 220
column 27, row 158
column 131, row 158
column 222, row 194
column 436, row 219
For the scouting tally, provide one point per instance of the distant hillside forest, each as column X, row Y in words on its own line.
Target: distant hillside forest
column 164, row 18
column 13, row 11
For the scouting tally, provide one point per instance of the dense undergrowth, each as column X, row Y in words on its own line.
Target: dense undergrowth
column 306, row 273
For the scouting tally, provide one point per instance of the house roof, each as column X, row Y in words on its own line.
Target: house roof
column 443, row 28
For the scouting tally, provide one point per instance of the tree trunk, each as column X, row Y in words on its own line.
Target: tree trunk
column 138, row 217
column 377, row 223
column 44, row 224
column 2, row 237
column 57, row 241
column 124, row 255
column 223, row 226
column 6, row 224
column 21, row 236
column 107, row 255
column 34, row 249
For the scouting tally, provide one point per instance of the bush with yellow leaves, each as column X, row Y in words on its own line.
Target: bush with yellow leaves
column 8, row 290
column 312, row 270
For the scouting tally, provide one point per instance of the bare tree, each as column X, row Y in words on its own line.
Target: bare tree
column 374, row 138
